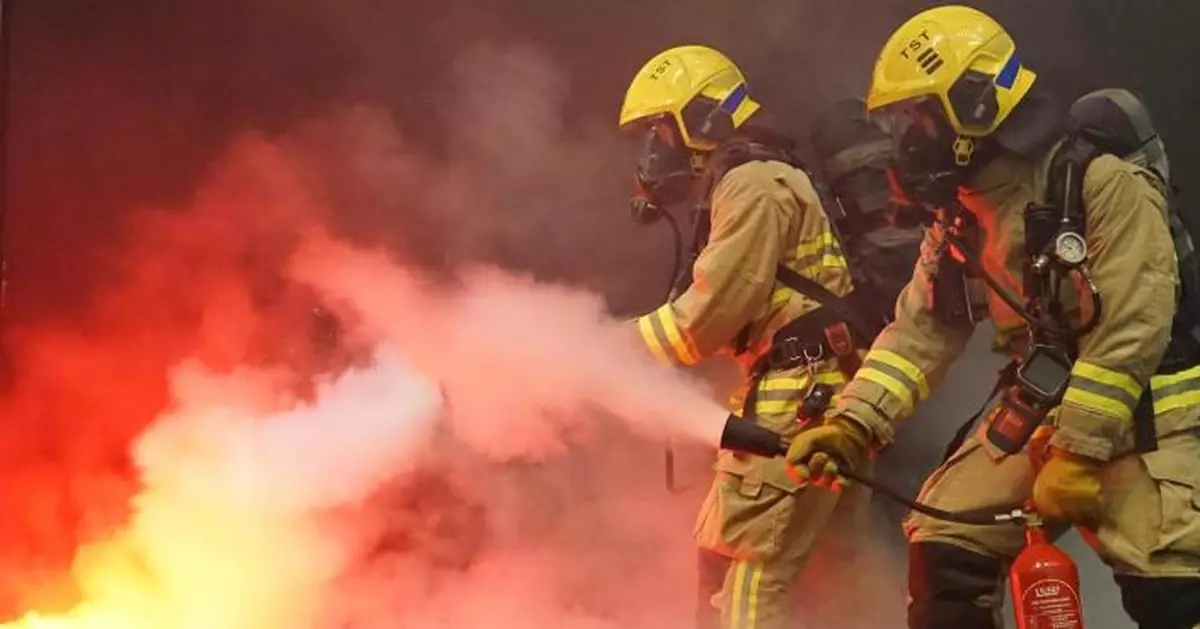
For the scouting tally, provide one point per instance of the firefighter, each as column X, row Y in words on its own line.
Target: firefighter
column 706, row 139
column 977, row 141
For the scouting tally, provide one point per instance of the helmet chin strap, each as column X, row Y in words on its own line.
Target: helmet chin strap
column 964, row 149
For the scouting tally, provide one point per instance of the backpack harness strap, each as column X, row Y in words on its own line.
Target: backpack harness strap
column 832, row 330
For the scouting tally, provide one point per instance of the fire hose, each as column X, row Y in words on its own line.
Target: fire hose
column 1043, row 580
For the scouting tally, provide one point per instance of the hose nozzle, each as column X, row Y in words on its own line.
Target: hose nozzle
column 743, row 435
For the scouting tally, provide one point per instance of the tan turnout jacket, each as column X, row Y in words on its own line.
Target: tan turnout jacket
column 763, row 213
column 1133, row 263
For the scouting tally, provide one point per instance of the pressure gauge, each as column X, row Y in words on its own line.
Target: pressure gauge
column 1070, row 248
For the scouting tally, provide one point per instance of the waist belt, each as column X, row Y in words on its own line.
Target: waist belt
column 812, row 337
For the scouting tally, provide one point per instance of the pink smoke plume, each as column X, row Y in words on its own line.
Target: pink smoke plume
column 464, row 428
column 475, row 446
column 519, row 360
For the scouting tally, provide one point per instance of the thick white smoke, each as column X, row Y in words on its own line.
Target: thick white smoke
column 520, row 361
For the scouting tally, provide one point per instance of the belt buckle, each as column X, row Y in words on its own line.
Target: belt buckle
column 789, row 349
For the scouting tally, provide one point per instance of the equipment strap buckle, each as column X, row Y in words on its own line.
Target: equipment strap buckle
column 791, row 352
column 837, row 335
column 841, row 342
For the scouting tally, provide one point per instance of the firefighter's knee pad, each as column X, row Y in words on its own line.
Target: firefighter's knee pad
column 1161, row 603
column 952, row 588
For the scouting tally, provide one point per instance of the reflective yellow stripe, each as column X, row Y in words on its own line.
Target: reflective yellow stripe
column 780, row 297
column 757, row 576
column 651, row 339
column 743, row 613
column 781, row 395
column 1175, row 391
column 1097, row 402
column 822, row 252
column 1177, row 401
column 905, row 366
column 897, row 372
column 801, row 383
column 834, row 260
column 892, row 384
column 735, row 604
column 812, row 265
column 1102, row 375
column 675, row 338
column 776, row 407
column 1104, row 390
column 820, row 244
column 1172, row 379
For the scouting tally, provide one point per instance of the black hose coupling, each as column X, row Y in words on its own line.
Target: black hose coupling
column 745, row 436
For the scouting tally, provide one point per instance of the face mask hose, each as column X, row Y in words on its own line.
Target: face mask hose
column 677, row 284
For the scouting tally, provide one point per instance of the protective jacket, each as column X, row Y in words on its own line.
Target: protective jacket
column 763, row 213
column 1132, row 261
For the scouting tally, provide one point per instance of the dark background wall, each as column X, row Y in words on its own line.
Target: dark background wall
column 115, row 106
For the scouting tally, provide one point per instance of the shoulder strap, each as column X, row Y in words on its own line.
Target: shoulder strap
column 838, row 305
column 742, row 150
column 1064, row 181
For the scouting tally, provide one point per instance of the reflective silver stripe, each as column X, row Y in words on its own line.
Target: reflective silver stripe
column 1175, row 391
column 1112, row 392
column 660, row 333
column 745, row 596
column 894, row 372
column 811, row 265
column 779, row 395
column 1187, row 386
column 678, row 347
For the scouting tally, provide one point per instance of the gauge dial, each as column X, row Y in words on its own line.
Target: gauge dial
column 1070, row 247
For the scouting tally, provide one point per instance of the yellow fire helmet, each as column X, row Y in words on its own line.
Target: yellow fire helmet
column 959, row 56
column 700, row 88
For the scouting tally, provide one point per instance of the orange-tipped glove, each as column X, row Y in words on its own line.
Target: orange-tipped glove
column 1067, row 489
column 816, row 453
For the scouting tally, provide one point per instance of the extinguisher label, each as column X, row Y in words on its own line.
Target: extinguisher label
column 1051, row 604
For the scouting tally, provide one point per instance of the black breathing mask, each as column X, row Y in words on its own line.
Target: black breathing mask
column 902, row 211
column 927, row 168
column 664, row 176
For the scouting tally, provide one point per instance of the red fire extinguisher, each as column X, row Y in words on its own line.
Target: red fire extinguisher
column 1044, row 582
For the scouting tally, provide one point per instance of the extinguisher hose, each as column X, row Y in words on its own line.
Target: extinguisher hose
column 676, row 269
column 1015, row 514
column 751, row 438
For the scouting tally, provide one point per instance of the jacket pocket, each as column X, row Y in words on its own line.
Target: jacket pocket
column 1176, row 473
column 743, row 517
